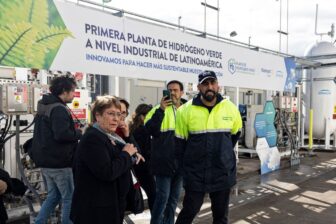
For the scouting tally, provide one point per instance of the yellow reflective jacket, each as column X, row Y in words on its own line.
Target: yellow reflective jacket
column 204, row 144
column 161, row 126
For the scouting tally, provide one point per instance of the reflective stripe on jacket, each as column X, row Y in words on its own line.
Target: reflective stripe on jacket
column 161, row 126
column 204, row 144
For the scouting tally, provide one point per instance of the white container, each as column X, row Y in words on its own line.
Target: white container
column 324, row 92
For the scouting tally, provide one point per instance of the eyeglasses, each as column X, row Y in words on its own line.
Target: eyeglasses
column 124, row 114
column 114, row 114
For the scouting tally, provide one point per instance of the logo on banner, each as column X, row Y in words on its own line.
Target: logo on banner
column 324, row 92
column 237, row 66
column 279, row 74
column 268, row 72
column 232, row 66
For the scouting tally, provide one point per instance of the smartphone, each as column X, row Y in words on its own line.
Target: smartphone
column 166, row 94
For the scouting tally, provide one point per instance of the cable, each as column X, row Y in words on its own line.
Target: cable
column 12, row 135
column 81, row 125
column 3, row 135
column 4, row 130
column 290, row 136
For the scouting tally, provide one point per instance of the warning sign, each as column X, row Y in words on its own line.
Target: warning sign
column 77, row 94
column 18, row 99
column 75, row 104
column 80, row 113
column 334, row 109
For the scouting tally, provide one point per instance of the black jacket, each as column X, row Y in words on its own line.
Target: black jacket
column 15, row 187
column 161, row 125
column 4, row 176
column 55, row 136
column 102, row 180
column 143, row 140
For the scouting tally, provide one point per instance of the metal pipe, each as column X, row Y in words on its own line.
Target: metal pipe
column 205, row 5
column 18, row 161
column 316, row 12
column 217, row 19
column 280, row 26
column 179, row 21
column 210, row 36
column 287, row 28
column 311, row 113
column 299, row 108
column 316, row 16
column 302, row 129
column 17, row 140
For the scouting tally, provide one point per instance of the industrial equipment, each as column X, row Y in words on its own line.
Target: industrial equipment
column 320, row 94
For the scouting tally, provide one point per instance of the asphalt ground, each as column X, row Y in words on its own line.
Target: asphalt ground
column 304, row 194
column 301, row 194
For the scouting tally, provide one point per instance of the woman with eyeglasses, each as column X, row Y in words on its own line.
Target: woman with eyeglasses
column 143, row 138
column 123, row 127
column 102, row 168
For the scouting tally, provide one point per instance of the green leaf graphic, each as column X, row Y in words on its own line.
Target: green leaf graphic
column 38, row 60
column 55, row 18
column 31, row 33
column 34, row 12
column 49, row 39
column 52, row 37
column 15, row 44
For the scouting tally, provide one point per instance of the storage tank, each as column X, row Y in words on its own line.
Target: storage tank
column 324, row 92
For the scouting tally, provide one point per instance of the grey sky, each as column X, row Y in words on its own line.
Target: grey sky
column 259, row 19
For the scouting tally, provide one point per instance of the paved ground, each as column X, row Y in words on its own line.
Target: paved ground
column 302, row 194
column 311, row 201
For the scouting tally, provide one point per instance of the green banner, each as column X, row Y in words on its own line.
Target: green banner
column 31, row 32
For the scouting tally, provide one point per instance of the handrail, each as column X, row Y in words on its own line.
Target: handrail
column 184, row 28
column 122, row 12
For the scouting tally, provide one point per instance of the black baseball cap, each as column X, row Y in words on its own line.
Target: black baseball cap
column 206, row 75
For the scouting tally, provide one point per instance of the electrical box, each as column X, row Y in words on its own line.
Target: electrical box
column 294, row 104
column 288, row 102
column 14, row 98
column 250, row 134
column 37, row 91
column 280, row 102
column 283, row 102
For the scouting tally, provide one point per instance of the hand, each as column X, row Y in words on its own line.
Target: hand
column 124, row 128
column 130, row 149
column 139, row 158
column 83, row 128
column 3, row 187
column 165, row 102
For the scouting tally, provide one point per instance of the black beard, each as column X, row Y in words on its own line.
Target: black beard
column 209, row 98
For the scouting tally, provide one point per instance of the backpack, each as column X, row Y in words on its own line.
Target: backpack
column 28, row 145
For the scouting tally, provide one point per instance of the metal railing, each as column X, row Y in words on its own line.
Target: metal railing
column 303, row 62
column 121, row 12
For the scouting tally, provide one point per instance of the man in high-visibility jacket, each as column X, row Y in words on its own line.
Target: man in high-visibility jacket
column 160, row 122
column 207, row 129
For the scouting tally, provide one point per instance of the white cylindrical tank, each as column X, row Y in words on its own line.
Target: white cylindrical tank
column 324, row 92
